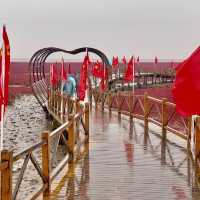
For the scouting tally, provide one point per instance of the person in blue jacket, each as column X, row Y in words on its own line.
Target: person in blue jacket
column 69, row 86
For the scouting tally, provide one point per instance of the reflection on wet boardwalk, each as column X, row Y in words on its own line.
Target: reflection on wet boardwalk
column 123, row 163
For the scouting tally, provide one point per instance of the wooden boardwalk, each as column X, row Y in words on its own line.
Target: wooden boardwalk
column 124, row 163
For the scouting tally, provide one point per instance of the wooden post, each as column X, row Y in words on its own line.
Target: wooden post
column 77, row 106
column 86, row 115
column 48, row 99
column 68, row 107
column 164, row 117
column 53, row 101
column 6, row 175
column 71, row 140
column 119, row 104
column 102, row 102
column 131, row 107
column 61, row 107
column 46, row 163
column 90, row 97
column 146, row 110
column 96, row 100
column 109, row 103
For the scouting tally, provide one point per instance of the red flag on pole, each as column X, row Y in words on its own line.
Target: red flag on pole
column 1, row 52
column 7, row 65
column 115, row 61
column 1, row 92
column 63, row 72
column 97, row 69
column 186, row 89
column 130, row 71
column 53, row 75
column 87, row 58
column 124, row 60
column 83, row 78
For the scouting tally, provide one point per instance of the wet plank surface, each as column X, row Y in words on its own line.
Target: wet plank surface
column 123, row 163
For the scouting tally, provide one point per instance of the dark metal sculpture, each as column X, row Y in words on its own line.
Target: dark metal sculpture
column 38, row 79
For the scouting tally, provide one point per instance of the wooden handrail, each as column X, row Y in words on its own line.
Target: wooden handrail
column 27, row 151
column 154, row 99
column 148, row 104
column 47, row 175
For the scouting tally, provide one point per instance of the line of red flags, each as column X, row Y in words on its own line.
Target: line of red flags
column 54, row 74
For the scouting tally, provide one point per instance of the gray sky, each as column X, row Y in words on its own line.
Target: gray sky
column 166, row 28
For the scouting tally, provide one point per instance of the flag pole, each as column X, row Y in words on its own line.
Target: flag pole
column 86, row 50
column 2, row 105
column 62, row 86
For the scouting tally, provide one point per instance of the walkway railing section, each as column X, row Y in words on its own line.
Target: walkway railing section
column 75, row 144
column 150, row 109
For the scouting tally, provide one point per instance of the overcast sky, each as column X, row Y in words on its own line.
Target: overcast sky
column 166, row 28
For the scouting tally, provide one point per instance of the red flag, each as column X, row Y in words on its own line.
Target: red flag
column 97, row 69
column 1, row 51
column 130, row 71
column 63, row 72
column 186, row 89
column 87, row 58
column 7, row 65
column 124, row 60
column 1, row 92
column 156, row 60
column 53, row 75
column 115, row 62
column 83, row 78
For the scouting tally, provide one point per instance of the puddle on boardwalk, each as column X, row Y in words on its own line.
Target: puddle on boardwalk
column 123, row 164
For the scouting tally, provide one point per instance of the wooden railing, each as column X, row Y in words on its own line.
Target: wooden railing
column 149, row 109
column 75, row 147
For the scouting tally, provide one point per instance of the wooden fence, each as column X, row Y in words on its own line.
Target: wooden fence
column 150, row 109
column 75, row 147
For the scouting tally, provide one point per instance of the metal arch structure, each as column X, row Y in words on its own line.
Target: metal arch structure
column 38, row 79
